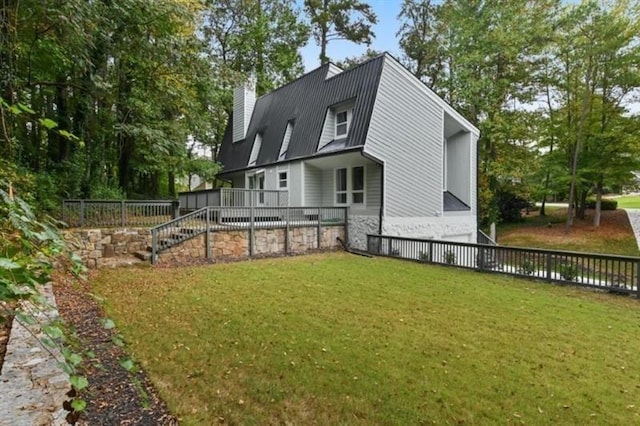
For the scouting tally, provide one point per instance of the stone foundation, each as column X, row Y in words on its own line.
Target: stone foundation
column 448, row 228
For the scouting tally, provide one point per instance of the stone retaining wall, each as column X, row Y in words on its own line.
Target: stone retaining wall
column 229, row 244
column 97, row 247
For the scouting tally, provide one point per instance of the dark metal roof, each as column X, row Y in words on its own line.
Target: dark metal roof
column 305, row 102
column 453, row 203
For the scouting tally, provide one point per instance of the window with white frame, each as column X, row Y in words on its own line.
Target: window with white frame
column 350, row 186
column 342, row 123
column 283, row 179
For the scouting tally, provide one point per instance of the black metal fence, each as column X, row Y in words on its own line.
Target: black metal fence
column 607, row 272
column 83, row 213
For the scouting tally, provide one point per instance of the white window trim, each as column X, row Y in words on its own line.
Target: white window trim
column 286, row 140
column 349, row 112
column 349, row 191
column 282, row 170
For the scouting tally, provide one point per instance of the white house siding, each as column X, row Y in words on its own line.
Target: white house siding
column 459, row 166
column 460, row 228
column 313, row 186
column 296, row 183
column 406, row 131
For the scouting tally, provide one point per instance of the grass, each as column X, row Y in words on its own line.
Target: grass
column 629, row 202
column 614, row 236
column 342, row 339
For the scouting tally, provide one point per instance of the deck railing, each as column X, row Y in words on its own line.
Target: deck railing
column 233, row 197
column 213, row 219
column 83, row 213
column 607, row 272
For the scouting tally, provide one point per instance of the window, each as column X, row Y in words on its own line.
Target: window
column 350, row 186
column 357, row 185
column 283, row 182
column 341, row 186
column 342, row 123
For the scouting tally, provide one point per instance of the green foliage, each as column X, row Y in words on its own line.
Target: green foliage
column 340, row 20
column 510, row 204
column 528, row 267
column 605, row 204
column 568, row 271
column 449, row 257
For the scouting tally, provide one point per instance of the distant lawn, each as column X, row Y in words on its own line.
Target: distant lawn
column 629, row 202
column 614, row 236
column 343, row 339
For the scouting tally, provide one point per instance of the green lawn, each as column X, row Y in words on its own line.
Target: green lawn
column 629, row 202
column 343, row 339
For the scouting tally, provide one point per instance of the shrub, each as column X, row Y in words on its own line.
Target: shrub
column 567, row 271
column 449, row 257
column 527, row 267
column 511, row 204
column 605, row 204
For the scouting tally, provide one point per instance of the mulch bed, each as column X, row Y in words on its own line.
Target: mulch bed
column 113, row 396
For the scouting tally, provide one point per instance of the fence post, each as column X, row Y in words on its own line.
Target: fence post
column 319, row 229
column 81, row 213
column 286, row 231
column 175, row 204
column 548, row 256
column 154, row 247
column 430, row 255
column 252, row 219
column 207, row 237
column 123, row 214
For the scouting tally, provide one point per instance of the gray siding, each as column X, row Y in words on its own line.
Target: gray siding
column 459, row 166
column 295, row 183
column 312, row 186
column 406, row 132
column 373, row 189
column 328, row 188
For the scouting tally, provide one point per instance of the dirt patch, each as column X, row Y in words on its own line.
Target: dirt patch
column 614, row 235
column 115, row 395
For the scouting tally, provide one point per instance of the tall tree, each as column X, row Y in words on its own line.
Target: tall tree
column 340, row 20
column 422, row 36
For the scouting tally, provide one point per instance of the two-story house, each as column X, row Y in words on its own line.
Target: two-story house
column 374, row 138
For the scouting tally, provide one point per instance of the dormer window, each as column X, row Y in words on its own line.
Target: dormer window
column 342, row 123
column 284, row 148
column 337, row 124
column 255, row 150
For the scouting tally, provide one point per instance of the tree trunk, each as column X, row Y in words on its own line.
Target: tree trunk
column 172, row 184
column 596, row 215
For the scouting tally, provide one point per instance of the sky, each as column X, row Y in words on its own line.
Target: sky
column 385, row 37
